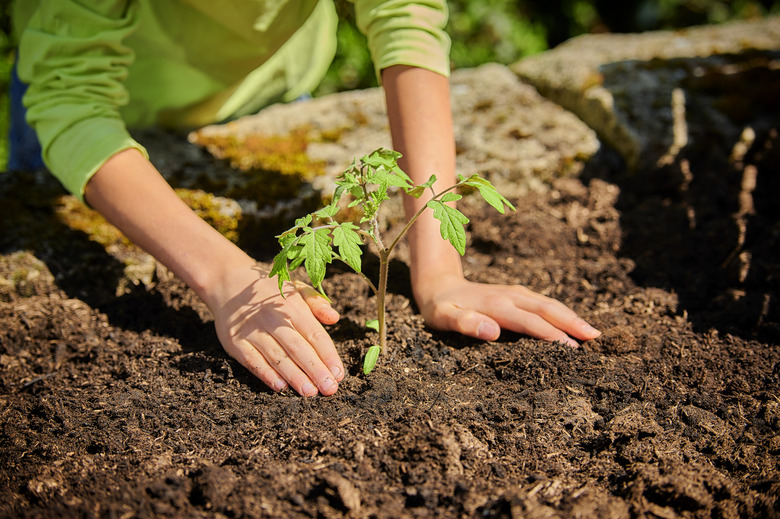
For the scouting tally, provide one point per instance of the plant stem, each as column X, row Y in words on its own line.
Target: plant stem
column 384, row 255
column 384, row 265
column 417, row 215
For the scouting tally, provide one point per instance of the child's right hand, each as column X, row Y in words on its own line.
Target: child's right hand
column 280, row 340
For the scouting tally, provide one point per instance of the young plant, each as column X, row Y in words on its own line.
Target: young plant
column 318, row 238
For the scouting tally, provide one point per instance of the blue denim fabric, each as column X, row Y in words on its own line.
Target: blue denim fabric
column 24, row 153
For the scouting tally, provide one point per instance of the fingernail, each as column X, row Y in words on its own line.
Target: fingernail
column 486, row 331
column 279, row 385
column 587, row 328
column 336, row 371
column 328, row 385
column 308, row 389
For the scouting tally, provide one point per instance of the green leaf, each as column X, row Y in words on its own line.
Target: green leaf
column 371, row 205
column 302, row 222
column 357, row 192
column 317, row 253
column 372, row 355
column 327, row 212
column 382, row 157
column 373, row 324
column 452, row 222
column 384, row 178
column 488, row 192
column 296, row 258
column 280, row 269
column 348, row 241
column 401, row 173
column 385, row 172
column 290, row 250
column 450, row 197
column 417, row 191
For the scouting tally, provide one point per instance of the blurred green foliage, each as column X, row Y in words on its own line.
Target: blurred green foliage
column 482, row 31
column 504, row 31
column 6, row 60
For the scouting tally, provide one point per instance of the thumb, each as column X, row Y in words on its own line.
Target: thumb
column 319, row 306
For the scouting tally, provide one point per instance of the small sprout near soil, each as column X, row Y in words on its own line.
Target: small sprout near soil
column 318, row 238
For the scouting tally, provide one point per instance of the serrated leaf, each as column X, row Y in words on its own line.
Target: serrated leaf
column 303, row 221
column 329, row 211
column 452, row 222
column 384, row 179
column 402, row 180
column 382, row 157
column 369, row 362
column 297, row 259
column 317, row 254
column 416, row 191
column 337, row 195
column 357, row 192
column 280, row 269
column 348, row 242
column 401, row 173
column 488, row 192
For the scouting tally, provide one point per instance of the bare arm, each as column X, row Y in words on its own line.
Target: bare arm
column 418, row 106
column 280, row 340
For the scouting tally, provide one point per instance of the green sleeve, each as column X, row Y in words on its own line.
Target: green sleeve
column 405, row 32
column 72, row 57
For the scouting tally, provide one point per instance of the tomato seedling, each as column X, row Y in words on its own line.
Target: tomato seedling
column 318, row 238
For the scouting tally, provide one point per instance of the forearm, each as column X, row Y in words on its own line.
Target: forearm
column 134, row 197
column 418, row 105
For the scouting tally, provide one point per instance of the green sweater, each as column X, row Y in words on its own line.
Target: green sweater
column 96, row 67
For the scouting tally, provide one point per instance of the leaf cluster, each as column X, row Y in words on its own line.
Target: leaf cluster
column 318, row 238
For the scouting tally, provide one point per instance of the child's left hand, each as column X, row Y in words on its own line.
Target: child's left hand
column 482, row 310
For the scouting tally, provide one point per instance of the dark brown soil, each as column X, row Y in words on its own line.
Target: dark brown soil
column 121, row 403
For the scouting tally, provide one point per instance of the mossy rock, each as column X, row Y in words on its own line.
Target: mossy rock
column 269, row 168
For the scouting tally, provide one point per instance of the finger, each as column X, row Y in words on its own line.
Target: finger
column 313, row 331
column 319, row 306
column 532, row 324
column 248, row 356
column 560, row 316
column 467, row 322
column 321, row 366
column 279, row 358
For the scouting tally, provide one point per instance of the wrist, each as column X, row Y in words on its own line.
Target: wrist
column 431, row 266
column 213, row 278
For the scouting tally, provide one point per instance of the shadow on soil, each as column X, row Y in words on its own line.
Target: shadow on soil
column 706, row 225
column 29, row 222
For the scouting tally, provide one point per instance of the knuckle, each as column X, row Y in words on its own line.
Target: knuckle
column 547, row 308
column 279, row 359
column 320, row 336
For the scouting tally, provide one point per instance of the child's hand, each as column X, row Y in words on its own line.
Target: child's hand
column 481, row 310
column 280, row 340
